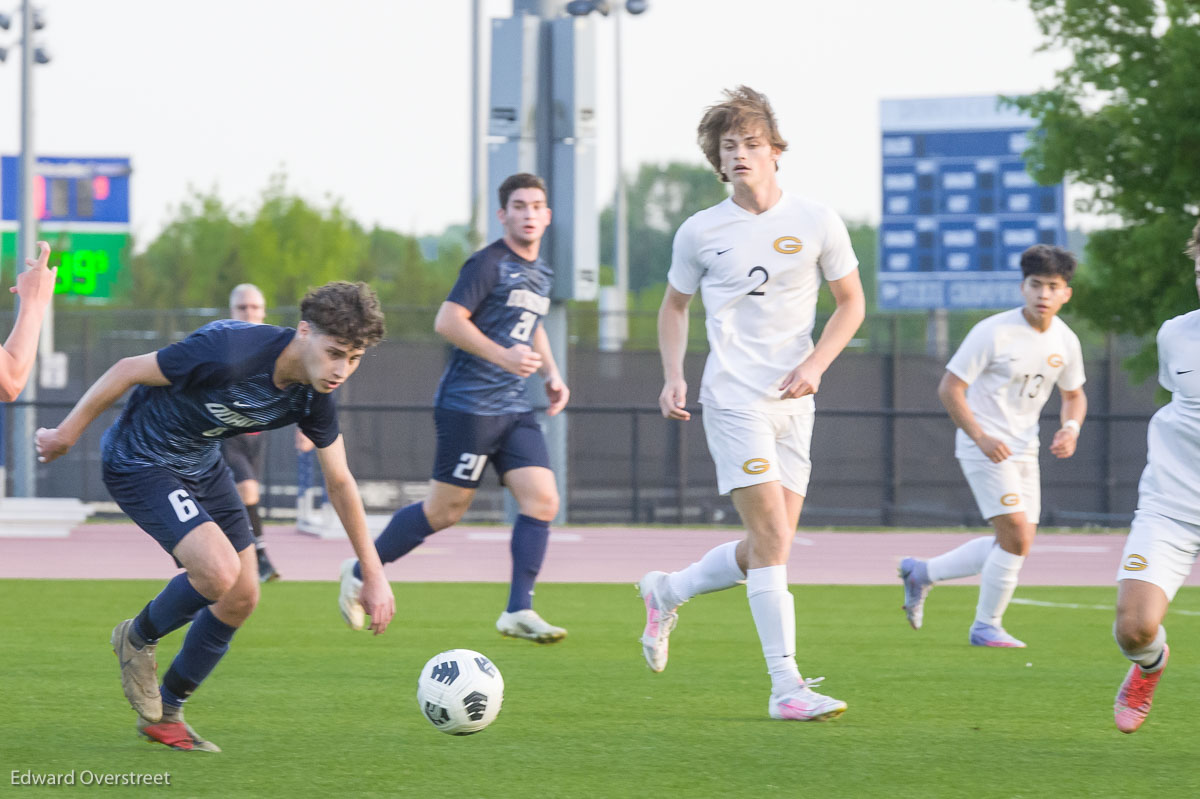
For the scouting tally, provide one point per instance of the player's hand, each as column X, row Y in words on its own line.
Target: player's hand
column 557, row 395
column 36, row 284
column 51, row 443
column 520, row 360
column 995, row 449
column 672, row 400
column 805, row 379
column 378, row 602
column 1063, row 445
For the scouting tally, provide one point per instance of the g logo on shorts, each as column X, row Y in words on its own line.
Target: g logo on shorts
column 1135, row 563
column 756, row 466
column 788, row 245
column 1055, row 360
column 1008, row 500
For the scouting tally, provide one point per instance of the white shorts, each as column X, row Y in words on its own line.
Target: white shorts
column 753, row 447
column 1159, row 550
column 1005, row 487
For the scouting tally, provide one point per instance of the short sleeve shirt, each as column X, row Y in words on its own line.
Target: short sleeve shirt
column 1010, row 369
column 222, row 385
column 758, row 277
column 1170, row 483
column 507, row 297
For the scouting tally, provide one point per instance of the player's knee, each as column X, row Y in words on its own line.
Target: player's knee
column 239, row 603
column 1132, row 631
column 542, row 506
column 445, row 514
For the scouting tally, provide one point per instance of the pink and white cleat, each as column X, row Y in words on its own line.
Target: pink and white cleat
column 987, row 635
column 805, row 704
column 660, row 620
column 1135, row 695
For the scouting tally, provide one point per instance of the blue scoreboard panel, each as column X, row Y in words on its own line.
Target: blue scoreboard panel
column 959, row 207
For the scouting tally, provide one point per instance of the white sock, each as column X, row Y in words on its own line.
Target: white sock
column 774, row 612
column 998, row 581
column 1148, row 657
column 716, row 571
column 963, row 561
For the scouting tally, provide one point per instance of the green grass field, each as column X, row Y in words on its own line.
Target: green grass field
column 304, row 707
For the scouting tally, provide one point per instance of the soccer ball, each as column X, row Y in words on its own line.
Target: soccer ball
column 460, row 691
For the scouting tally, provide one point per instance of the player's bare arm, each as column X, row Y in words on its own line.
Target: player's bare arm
column 952, row 391
column 1074, row 409
column 557, row 393
column 377, row 598
column 847, row 317
column 35, row 287
column 453, row 323
column 672, row 344
column 112, row 385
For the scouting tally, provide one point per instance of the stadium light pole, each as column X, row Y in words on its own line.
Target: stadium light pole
column 480, row 50
column 24, row 415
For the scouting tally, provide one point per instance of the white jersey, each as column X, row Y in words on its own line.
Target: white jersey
column 758, row 276
column 1010, row 369
column 1170, row 483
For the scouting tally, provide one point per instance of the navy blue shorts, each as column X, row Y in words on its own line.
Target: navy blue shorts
column 467, row 442
column 168, row 506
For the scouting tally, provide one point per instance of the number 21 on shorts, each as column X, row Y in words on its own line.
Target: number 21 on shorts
column 470, row 466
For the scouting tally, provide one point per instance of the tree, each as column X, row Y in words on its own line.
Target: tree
column 1124, row 120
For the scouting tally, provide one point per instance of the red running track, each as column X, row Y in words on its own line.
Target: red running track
column 577, row 554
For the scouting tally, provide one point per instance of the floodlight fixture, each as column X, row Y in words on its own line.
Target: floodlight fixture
column 581, row 8
column 39, row 22
column 41, row 56
column 636, row 7
column 5, row 21
column 3, row 54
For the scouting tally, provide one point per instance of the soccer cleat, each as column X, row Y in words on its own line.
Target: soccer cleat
column 661, row 619
column 139, row 671
column 1135, row 695
column 916, row 588
column 529, row 625
column 348, row 599
column 266, row 569
column 805, row 704
column 987, row 635
column 176, row 733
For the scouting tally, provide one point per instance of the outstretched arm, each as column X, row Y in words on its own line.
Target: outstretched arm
column 125, row 373
column 454, row 324
column 35, row 287
column 377, row 599
column 672, row 344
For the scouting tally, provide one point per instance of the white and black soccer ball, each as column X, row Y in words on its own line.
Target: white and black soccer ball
column 460, row 691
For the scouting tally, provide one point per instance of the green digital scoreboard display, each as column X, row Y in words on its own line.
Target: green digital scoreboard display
column 89, row 264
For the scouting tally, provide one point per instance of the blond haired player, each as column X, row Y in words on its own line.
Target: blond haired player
column 757, row 259
column 1165, row 537
column 994, row 389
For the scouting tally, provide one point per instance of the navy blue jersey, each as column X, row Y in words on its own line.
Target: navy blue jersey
column 507, row 297
column 221, row 386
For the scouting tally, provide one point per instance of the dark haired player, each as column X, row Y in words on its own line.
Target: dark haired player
column 493, row 319
column 994, row 389
column 162, row 464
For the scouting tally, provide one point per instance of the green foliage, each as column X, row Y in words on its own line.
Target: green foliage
column 659, row 200
column 1124, row 120
column 285, row 246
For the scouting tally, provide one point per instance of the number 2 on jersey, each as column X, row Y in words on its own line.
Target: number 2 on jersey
column 524, row 326
column 757, row 290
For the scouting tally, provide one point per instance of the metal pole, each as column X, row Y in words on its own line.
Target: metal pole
column 621, row 217
column 24, row 458
column 480, row 41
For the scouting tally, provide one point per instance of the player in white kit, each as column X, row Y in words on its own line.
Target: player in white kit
column 757, row 260
column 994, row 389
column 1165, row 537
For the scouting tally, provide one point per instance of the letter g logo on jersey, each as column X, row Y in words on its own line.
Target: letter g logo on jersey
column 1135, row 563
column 1055, row 360
column 756, row 466
column 788, row 245
column 1008, row 500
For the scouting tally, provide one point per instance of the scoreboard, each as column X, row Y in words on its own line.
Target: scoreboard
column 959, row 207
column 82, row 209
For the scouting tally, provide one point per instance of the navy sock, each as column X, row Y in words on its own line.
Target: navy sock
column 407, row 529
column 174, row 607
column 206, row 643
column 529, row 539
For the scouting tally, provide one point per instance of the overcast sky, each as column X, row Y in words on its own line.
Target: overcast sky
column 369, row 100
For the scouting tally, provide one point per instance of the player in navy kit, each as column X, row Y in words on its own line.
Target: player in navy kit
column 492, row 317
column 162, row 464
